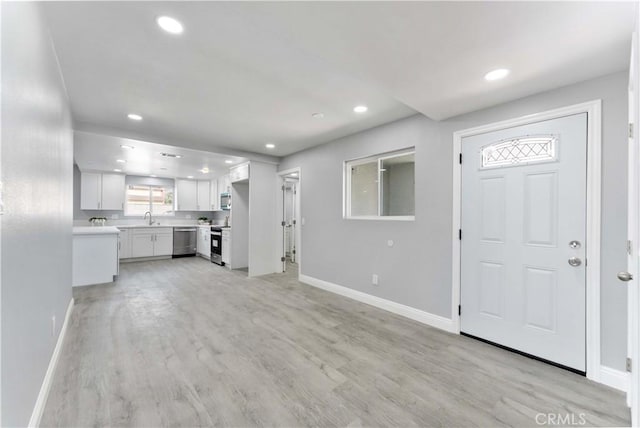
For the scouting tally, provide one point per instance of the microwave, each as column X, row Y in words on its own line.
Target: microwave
column 225, row 201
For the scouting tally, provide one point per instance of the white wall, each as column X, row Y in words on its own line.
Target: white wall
column 416, row 271
column 37, row 160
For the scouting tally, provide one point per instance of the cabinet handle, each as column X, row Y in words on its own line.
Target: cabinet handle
column 98, row 205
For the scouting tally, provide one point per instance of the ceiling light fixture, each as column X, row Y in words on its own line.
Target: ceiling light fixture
column 189, row 176
column 228, row 161
column 204, row 170
column 153, row 175
column 124, row 146
column 270, row 146
column 134, row 116
column 170, row 155
column 117, row 170
column 170, row 25
column 121, row 161
column 317, row 115
column 497, row 74
column 360, row 109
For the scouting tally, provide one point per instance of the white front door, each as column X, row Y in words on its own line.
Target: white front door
column 523, row 238
column 632, row 274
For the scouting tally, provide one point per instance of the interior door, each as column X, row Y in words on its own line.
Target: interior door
column 523, row 243
column 633, row 230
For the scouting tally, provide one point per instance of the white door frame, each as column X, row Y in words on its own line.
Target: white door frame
column 282, row 174
column 594, row 182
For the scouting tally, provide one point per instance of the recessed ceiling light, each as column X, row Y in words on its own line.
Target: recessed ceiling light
column 189, row 176
column 124, row 146
column 360, row 109
column 228, row 161
column 170, row 25
column 204, row 170
column 270, row 146
column 121, row 161
column 317, row 115
column 134, row 116
column 117, row 170
column 497, row 74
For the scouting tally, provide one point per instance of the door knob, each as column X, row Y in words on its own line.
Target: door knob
column 575, row 261
column 625, row 276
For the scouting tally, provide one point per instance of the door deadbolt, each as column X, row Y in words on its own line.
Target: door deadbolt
column 575, row 244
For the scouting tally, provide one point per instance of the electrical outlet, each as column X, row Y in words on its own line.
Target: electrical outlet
column 53, row 326
column 374, row 279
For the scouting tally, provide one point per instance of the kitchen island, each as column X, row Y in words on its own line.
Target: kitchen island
column 95, row 255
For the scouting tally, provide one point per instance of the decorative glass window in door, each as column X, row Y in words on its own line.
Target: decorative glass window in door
column 520, row 151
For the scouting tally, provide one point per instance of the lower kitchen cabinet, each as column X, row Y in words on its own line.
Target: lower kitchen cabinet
column 124, row 244
column 226, row 247
column 151, row 242
column 204, row 241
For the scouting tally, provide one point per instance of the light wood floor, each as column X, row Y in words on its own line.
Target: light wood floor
column 187, row 343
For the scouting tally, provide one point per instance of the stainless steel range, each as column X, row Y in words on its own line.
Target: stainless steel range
column 216, row 246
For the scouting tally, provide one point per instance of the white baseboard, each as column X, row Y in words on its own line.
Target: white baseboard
column 48, row 377
column 432, row 320
column 614, row 378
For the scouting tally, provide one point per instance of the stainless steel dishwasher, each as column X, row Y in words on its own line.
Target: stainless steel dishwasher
column 184, row 241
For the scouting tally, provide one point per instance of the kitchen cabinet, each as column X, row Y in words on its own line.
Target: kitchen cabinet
column 203, row 195
column 214, row 196
column 239, row 173
column 204, row 241
column 113, row 191
column 193, row 195
column 187, row 195
column 224, row 184
column 102, row 191
column 124, row 244
column 226, row 247
column 95, row 255
column 90, row 191
column 151, row 242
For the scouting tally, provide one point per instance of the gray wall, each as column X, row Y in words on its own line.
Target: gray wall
column 37, row 155
column 416, row 271
column 82, row 216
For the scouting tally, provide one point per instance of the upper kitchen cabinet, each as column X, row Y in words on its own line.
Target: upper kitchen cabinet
column 224, row 184
column 239, row 173
column 101, row 191
column 204, row 195
column 113, row 191
column 214, row 195
column 193, row 195
column 187, row 195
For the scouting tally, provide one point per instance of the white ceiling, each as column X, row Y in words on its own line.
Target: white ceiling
column 246, row 73
column 97, row 152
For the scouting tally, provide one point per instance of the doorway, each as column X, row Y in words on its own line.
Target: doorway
column 290, row 221
column 523, row 187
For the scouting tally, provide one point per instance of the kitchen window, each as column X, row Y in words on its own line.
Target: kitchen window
column 381, row 187
column 157, row 199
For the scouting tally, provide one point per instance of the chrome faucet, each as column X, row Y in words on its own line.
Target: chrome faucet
column 150, row 217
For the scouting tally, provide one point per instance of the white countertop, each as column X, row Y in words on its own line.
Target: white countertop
column 96, row 230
